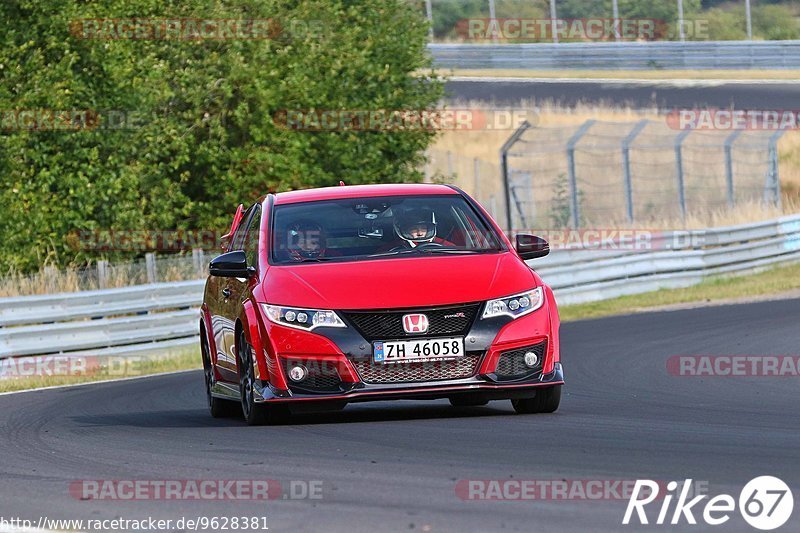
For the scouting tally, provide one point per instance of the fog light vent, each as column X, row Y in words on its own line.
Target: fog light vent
column 521, row 363
column 298, row 373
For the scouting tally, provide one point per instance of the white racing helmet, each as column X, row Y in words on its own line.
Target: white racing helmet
column 416, row 226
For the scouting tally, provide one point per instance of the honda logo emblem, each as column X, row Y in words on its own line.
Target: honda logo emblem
column 416, row 323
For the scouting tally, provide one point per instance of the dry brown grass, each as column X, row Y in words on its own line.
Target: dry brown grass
column 466, row 146
column 175, row 360
column 50, row 280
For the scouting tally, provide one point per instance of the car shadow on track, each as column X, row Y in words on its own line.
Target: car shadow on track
column 388, row 412
column 392, row 412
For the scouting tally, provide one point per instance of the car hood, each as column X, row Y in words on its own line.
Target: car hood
column 397, row 282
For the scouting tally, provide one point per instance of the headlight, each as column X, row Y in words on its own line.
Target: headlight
column 306, row 319
column 515, row 306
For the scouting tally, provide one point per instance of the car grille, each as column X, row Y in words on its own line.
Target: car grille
column 511, row 364
column 322, row 376
column 378, row 374
column 386, row 325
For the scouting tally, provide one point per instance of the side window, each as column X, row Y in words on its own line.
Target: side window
column 237, row 240
column 252, row 237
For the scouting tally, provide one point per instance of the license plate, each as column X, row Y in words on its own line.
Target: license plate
column 418, row 350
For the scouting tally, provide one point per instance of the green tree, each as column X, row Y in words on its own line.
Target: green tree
column 205, row 138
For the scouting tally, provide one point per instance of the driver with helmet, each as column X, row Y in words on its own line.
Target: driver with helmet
column 306, row 240
column 418, row 227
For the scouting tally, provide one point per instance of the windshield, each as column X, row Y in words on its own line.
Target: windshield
column 366, row 228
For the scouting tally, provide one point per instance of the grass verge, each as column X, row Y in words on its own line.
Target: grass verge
column 717, row 290
column 187, row 359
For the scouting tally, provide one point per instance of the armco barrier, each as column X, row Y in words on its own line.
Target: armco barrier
column 161, row 316
column 127, row 321
column 579, row 275
column 624, row 55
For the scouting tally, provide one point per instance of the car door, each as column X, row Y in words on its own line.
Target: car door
column 238, row 289
column 224, row 311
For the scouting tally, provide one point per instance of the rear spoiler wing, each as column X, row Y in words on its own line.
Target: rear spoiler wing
column 237, row 219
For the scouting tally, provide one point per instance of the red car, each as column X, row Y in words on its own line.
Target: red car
column 378, row 292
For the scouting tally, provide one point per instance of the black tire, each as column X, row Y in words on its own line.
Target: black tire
column 460, row 401
column 546, row 400
column 255, row 414
column 218, row 407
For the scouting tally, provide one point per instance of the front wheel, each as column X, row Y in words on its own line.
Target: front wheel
column 255, row 414
column 546, row 400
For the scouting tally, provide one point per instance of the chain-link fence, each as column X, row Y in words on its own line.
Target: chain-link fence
column 482, row 179
column 607, row 174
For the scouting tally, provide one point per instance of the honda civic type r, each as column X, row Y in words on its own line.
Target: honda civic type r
column 336, row 295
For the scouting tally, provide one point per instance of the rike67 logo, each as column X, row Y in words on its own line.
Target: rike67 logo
column 766, row 503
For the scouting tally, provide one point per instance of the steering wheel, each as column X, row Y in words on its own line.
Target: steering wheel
column 422, row 246
column 430, row 245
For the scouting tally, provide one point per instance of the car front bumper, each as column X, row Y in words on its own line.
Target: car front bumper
column 494, row 346
column 478, row 386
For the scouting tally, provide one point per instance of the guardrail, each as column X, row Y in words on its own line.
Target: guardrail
column 127, row 321
column 622, row 55
column 161, row 316
column 674, row 259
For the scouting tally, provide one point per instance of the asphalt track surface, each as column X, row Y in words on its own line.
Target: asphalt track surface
column 394, row 466
column 663, row 95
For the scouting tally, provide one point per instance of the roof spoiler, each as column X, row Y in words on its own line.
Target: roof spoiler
column 237, row 219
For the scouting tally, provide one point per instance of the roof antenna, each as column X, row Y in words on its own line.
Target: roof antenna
column 341, row 184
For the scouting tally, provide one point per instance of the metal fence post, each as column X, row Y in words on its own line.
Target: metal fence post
column 150, row 266
column 553, row 20
column 198, row 260
column 626, row 164
column 493, row 18
column 429, row 14
column 773, row 184
column 749, row 16
column 504, row 169
column 679, row 170
column 102, row 274
column 574, row 207
column 527, row 184
column 729, row 165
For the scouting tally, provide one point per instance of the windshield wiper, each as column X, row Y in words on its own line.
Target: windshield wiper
column 396, row 252
column 456, row 251
column 313, row 260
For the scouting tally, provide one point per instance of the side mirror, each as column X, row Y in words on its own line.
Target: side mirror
column 531, row 246
column 231, row 265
